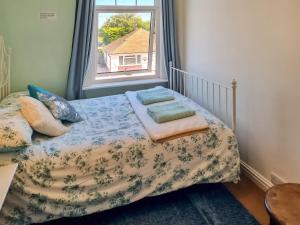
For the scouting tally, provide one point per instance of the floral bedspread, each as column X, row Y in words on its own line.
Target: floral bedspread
column 108, row 160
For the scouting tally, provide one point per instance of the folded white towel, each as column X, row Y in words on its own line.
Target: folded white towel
column 169, row 129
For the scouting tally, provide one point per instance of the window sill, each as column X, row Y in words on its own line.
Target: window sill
column 124, row 83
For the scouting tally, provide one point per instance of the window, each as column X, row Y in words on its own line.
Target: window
column 121, row 58
column 130, row 60
column 139, row 59
column 127, row 36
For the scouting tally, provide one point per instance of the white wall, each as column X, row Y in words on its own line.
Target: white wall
column 114, row 63
column 258, row 43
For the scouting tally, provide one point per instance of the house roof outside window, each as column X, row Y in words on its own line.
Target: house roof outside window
column 134, row 42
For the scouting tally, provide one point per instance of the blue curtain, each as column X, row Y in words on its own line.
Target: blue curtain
column 171, row 49
column 81, row 48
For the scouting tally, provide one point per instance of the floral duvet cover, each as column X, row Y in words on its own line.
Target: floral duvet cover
column 108, row 160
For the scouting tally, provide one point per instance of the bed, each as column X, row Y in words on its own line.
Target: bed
column 108, row 160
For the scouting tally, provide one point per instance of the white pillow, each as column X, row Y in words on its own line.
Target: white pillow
column 15, row 132
column 40, row 118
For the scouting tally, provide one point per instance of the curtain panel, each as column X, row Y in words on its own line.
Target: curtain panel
column 171, row 49
column 81, row 48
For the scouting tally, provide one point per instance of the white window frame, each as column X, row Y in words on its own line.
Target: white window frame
column 130, row 75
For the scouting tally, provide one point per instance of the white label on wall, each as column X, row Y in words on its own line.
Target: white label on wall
column 47, row 15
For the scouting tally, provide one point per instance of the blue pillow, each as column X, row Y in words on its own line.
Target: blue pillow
column 58, row 106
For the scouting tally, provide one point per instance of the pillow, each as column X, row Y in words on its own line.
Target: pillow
column 40, row 119
column 12, row 100
column 15, row 132
column 59, row 107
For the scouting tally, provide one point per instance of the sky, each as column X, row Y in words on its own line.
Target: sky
column 104, row 16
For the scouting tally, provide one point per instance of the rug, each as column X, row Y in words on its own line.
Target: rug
column 205, row 204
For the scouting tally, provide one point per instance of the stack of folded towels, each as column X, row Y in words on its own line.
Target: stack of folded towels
column 163, row 112
column 170, row 117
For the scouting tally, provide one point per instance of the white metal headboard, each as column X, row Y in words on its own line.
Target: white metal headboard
column 217, row 98
column 5, row 54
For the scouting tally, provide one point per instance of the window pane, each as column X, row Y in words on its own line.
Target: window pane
column 120, row 60
column 145, row 2
column 130, row 60
column 139, row 59
column 123, row 42
column 105, row 2
column 126, row 2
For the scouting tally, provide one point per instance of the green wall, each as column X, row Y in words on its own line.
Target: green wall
column 41, row 49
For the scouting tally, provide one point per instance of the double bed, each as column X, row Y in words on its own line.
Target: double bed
column 109, row 160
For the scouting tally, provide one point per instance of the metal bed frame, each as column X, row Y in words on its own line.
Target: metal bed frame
column 5, row 55
column 211, row 95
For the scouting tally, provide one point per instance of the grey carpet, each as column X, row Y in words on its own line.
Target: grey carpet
column 209, row 204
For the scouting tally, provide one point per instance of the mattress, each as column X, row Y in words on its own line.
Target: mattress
column 109, row 160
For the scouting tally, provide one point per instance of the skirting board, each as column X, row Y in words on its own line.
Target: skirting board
column 262, row 182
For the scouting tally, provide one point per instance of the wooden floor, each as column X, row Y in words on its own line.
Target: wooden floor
column 251, row 197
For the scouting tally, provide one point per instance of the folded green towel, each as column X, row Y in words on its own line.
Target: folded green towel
column 154, row 95
column 169, row 112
